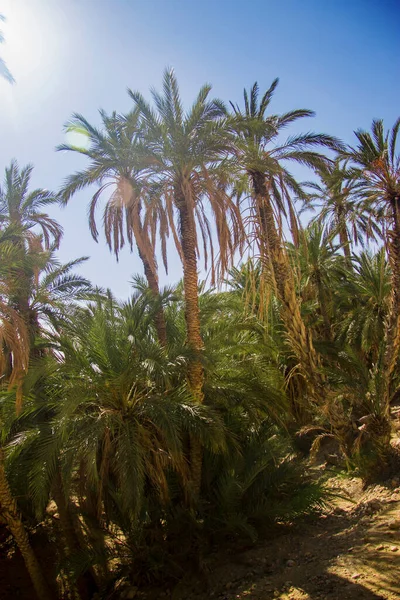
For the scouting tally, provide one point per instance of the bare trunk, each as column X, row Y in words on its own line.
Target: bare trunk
column 9, row 512
column 323, row 307
column 192, row 318
column 192, row 311
column 392, row 333
column 152, row 281
column 343, row 236
column 300, row 338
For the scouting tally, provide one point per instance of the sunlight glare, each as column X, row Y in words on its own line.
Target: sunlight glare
column 77, row 139
column 32, row 42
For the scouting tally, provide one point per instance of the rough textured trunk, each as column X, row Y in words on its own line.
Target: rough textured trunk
column 86, row 584
column 300, row 338
column 343, row 235
column 152, row 281
column 192, row 311
column 323, row 307
column 392, row 333
column 9, row 512
column 345, row 242
column 192, row 318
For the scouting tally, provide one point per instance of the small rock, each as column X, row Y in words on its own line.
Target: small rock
column 394, row 548
column 394, row 524
column 291, row 563
column 131, row 593
column 356, row 576
column 380, row 547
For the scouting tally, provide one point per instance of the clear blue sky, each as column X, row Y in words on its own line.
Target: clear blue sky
column 340, row 58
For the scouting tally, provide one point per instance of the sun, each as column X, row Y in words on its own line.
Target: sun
column 30, row 41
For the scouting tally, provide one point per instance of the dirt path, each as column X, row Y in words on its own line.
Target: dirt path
column 350, row 552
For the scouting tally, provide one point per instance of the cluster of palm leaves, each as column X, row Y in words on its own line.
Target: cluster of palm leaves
column 141, row 433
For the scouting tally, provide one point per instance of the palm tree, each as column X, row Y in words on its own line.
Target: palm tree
column 262, row 160
column 22, row 208
column 333, row 196
column 122, row 416
column 115, row 155
column 14, row 357
column 21, row 213
column 184, row 154
column 374, row 166
column 362, row 301
column 319, row 266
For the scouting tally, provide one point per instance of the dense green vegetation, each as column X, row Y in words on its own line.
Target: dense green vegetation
column 180, row 419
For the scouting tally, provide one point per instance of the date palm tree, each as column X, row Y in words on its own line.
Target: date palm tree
column 374, row 166
column 115, row 166
column 14, row 357
column 185, row 151
column 333, row 197
column 319, row 265
column 362, row 301
column 23, row 208
column 263, row 162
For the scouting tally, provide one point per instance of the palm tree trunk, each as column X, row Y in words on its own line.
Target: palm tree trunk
column 392, row 333
column 323, row 307
column 191, row 291
column 345, row 242
column 86, row 584
column 9, row 511
column 300, row 338
column 152, row 282
column 192, row 318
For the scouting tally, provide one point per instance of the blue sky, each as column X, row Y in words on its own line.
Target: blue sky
column 340, row 58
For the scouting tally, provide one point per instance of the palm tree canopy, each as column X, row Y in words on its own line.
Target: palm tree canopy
column 334, row 197
column 259, row 149
column 23, row 208
column 187, row 153
column 375, row 163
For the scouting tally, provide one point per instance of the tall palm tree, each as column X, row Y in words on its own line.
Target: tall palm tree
column 263, row 161
column 184, row 153
column 333, row 196
column 115, row 164
column 374, row 166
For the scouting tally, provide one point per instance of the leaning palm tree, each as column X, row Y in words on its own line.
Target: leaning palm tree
column 374, row 166
column 185, row 151
column 263, row 167
column 115, row 164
